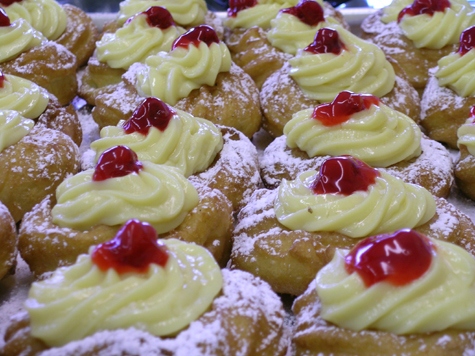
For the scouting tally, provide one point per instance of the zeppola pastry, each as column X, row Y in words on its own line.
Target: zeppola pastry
column 465, row 167
column 8, row 241
column 135, row 295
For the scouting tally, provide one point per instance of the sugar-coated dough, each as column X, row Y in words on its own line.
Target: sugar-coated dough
column 8, row 241
column 465, row 173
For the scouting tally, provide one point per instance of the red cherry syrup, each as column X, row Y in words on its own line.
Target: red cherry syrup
column 467, row 40
column 202, row 33
column 420, row 7
column 344, row 175
column 399, row 258
column 327, row 40
column 133, row 249
column 343, row 107
column 472, row 114
column 238, row 5
column 160, row 17
column 9, row 2
column 152, row 112
column 2, row 79
column 116, row 162
column 4, row 19
column 308, row 11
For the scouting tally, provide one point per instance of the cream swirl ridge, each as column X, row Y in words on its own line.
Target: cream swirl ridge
column 159, row 195
column 388, row 205
column 18, row 38
column 361, row 68
column 466, row 136
column 391, row 12
column 457, row 72
column 162, row 301
column 172, row 76
column 13, row 127
column 379, row 136
column 188, row 143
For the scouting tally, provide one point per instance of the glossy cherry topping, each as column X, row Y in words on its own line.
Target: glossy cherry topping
column 2, row 79
column 4, row 19
column 467, row 40
column 116, row 162
column 152, row 112
column 420, row 7
column 133, row 249
column 399, row 258
column 9, row 2
column 472, row 114
column 344, row 175
column 202, row 33
column 308, row 11
column 343, row 107
column 327, row 40
column 238, row 5
column 158, row 16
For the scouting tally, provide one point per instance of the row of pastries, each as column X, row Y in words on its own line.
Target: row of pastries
column 172, row 235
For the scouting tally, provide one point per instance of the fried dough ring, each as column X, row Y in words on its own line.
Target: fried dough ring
column 33, row 168
column 289, row 260
column 8, row 241
column 465, row 172
column 281, row 97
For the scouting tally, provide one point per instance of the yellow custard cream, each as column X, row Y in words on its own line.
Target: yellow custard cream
column 361, row 68
column 159, row 195
column 18, row 38
column 441, row 298
column 24, row 96
column 79, row 300
column 391, row 12
column 440, row 29
column 379, row 136
column 387, row 206
column 188, row 143
column 13, row 127
column 172, row 76
column 135, row 42
column 457, row 72
column 466, row 136
column 46, row 16
column 184, row 12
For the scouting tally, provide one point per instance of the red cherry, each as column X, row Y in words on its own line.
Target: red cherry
column 343, row 107
column 2, row 79
column 202, row 33
column 132, row 249
column 420, row 7
column 237, row 5
column 116, row 162
column 158, row 16
column 467, row 40
column 326, row 40
column 308, row 11
column 152, row 112
column 344, row 175
column 399, row 258
column 4, row 19
column 9, row 2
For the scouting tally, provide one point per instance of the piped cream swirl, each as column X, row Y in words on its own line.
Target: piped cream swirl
column 13, row 127
column 440, row 29
column 135, row 42
column 79, row 300
column 184, row 12
column 457, row 72
column 387, row 206
column 18, row 38
column 442, row 298
column 46, row 16
column 172, row 76
column 188, row 143
column 361, row 68
column 159, row 195
column 24, row 96
column 391, row 12
column 466, row 136
column 379, row 136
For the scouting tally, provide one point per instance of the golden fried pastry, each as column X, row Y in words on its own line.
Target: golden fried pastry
column 185, row 304
column 219, row 157
column 287, row 248
column 8, row 241
column 406, row 308
column 314, row 77
column 465, row 167
column 365, row 129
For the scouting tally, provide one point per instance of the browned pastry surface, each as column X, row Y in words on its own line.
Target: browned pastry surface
column 281, row 97
column 51, row 66
column 46, row 246
column 8, row 242
column 465, row 172
column 34, row 167
column 289, row 260
column 314, row 336
column 433, row 169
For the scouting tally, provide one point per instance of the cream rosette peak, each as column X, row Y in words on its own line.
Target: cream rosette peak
column 466, row 133
column 359, row 66
column 138, row 39
column 82, row 299
column 441, row 298
column 391, row 12
column 190, row 64
column 386, row 205
column 13, row 127
column 376, row 134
